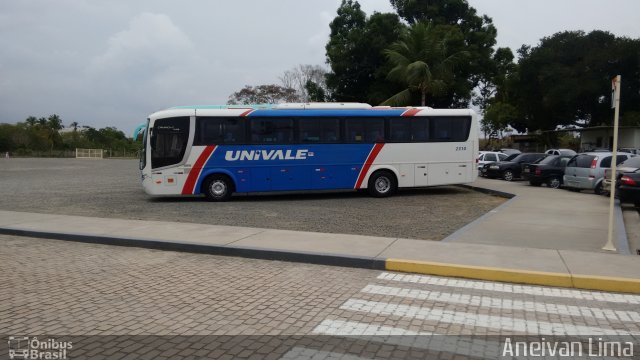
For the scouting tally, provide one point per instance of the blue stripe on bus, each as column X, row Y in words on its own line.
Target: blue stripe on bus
column 290, row 167
column 330, row 112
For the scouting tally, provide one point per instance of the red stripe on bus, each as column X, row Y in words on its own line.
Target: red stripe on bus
column 367, row 164
column 196, row 169
column 246, row 113
column 411, row 112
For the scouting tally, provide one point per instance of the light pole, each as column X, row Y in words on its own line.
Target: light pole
column 615, row 103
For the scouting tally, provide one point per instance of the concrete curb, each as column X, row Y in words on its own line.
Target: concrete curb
column 587, row 282
column 503, row 194
column 238, row 251
column 626, row 285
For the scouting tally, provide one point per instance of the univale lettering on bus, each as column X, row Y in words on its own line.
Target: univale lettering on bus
column 235, row 155
column 218, row 150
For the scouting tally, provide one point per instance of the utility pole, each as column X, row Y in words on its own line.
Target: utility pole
column 615, row 103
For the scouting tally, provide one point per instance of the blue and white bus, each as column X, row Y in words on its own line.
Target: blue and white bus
column 216, row 151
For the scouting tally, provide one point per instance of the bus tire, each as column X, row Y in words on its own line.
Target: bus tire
column 382, row 183
column 218, row 187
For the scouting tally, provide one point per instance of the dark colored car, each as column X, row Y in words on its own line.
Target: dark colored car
column 628, row 185
column 548, row 170
column 511, row 168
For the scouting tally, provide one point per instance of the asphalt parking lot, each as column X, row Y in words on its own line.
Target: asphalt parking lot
column 111, row 189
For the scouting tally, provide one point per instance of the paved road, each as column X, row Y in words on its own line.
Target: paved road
column 276, row 308
column 111, row 188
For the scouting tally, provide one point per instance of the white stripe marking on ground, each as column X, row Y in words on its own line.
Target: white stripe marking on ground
column 503, row 303
column 512, row 288
column 464, row 345
column 471, row 319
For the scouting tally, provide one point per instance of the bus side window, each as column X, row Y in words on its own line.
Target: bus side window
column 318, row 130
column 272, row 130
column 400, row 129
column 213, row 130
column 364, row 130
column 419, row 129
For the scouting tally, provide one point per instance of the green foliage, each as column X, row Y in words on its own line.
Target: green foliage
column 263, row 94
column 423, row 63
column 566, row 80
column 498, row 116
column 315, row 92
column 478, row 40
column 42, row 136
column 354, row 52
column 359, row 67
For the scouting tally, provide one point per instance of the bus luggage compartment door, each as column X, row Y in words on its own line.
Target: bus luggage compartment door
column 448, row 173
column 290, row 178
column 334, row 176
column 421, row 175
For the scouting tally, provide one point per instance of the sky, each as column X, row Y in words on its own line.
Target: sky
column 112, row 63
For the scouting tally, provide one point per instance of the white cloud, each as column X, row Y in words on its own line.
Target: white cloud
column 152, row 64
column 151, row 40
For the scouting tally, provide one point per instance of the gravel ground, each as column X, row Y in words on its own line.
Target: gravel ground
column 112, row 189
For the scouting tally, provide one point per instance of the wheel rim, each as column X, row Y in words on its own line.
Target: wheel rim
column 508, row 176
column 383, row 184
column 554, row 183
column 218, row 188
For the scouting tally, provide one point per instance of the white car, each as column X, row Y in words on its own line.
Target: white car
column 489, row 157
column 562, row 152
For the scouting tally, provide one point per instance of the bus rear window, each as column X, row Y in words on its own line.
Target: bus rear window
column 449, row 128
column 169, row 141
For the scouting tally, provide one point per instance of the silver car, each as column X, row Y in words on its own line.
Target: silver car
column 586, row 170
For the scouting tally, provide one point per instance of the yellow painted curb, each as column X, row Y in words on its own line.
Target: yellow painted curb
column 606, row 283
column 480, row 272
column 588, row 282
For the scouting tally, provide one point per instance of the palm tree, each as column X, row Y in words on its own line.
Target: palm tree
column 422, row 62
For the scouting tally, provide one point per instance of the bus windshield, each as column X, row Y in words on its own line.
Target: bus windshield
column 143, row 151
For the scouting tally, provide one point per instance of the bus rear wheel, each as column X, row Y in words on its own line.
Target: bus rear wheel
column 218, row 188
column 382, row 184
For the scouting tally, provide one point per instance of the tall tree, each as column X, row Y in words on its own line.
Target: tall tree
column 566, row 80
column 479, row 38
column 493, row 94
column 263, row 94
column 354, row 53
column 301, row 75
column 423, row 63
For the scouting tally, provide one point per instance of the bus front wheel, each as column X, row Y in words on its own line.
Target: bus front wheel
column 218, row 188
column 382, row 184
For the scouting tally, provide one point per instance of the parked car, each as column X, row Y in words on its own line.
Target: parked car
column 565, row 152
column 629, row 188
column 548, row 170
column 485, row 168
column 489, row 157
column 511, row 168
column 631, row 150
column 630, row 165
column 510, row 151
column 586, row 170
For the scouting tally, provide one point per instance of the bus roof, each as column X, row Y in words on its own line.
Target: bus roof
column 305, row 110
